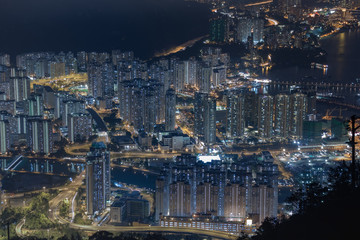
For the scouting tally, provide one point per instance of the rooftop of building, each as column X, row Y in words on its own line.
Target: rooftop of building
column 122, row 140
column 98, row 145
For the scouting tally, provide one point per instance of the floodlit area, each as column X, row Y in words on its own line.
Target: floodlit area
column 76, row 82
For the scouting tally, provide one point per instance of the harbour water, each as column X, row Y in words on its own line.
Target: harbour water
column 339, row 83
column 133, row 177
column 343, row 60
column 142, row 26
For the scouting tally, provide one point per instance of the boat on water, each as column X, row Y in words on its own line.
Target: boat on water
column 329, row 96
column 319, row 65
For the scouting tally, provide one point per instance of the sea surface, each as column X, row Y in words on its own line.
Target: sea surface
column 133, row 177
column 343, row 59
column 144, row 26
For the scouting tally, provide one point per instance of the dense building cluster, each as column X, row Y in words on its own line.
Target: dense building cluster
column 225, row 187
column 47, row 64
column 145, row 94
column 29, row 117
column 279, row 115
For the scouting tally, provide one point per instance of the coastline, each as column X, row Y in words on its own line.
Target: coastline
column 335, row 32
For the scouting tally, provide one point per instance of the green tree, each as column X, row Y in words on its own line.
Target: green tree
column 101, row 235
column 64, row 209
column 324, row 213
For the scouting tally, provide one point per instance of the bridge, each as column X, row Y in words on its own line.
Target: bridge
column 40, row 161
column 342, row 104
column 14, row 163
column 315, row 85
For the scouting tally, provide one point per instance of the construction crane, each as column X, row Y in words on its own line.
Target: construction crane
column 328, row 115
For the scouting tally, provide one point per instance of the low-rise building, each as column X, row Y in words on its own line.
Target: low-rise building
column 174, row 141
column 117, row 211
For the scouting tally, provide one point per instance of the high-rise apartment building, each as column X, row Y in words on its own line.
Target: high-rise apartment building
column 81, row 58
column 235, row 114
column 40, row 135
column 57, row 69
column 170, row 109
column 219, row 30
column 179, row 197
column 207, row 196
column 250, row 27
column 5, row 59
column 298, row 112
column 204, row 78
column 265, row 115
column 4, row 136
column 142, row 103
column 235, row 201
column 191, row 71
column 179, row 75
column 205, row 118
column 97, row 178
column 101, row 79
column 70, row 106
column 19, row 85
column 79, row 126
column 35, row 105
column 282, row 115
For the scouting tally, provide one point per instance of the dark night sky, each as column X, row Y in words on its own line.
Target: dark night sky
column 99, row 25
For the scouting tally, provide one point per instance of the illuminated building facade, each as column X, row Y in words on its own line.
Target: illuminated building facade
column 79, row 126
column 97, row 178
column 170, row 108
column 40, row 135
column 19, row 86
column 4, row 136
column 205, row 113
column 220, row 186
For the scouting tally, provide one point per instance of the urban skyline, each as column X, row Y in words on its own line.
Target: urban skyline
column 241, row 125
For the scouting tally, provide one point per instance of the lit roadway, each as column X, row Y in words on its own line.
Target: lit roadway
column 286, row 174
column 272, row 22
column 180, row 47
column 142, row 155
column 69, row 193
column 258, row 3
column 147, row 229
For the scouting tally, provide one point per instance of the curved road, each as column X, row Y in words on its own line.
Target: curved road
column 157, row 229
column 99, row 122
column 70, row 191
